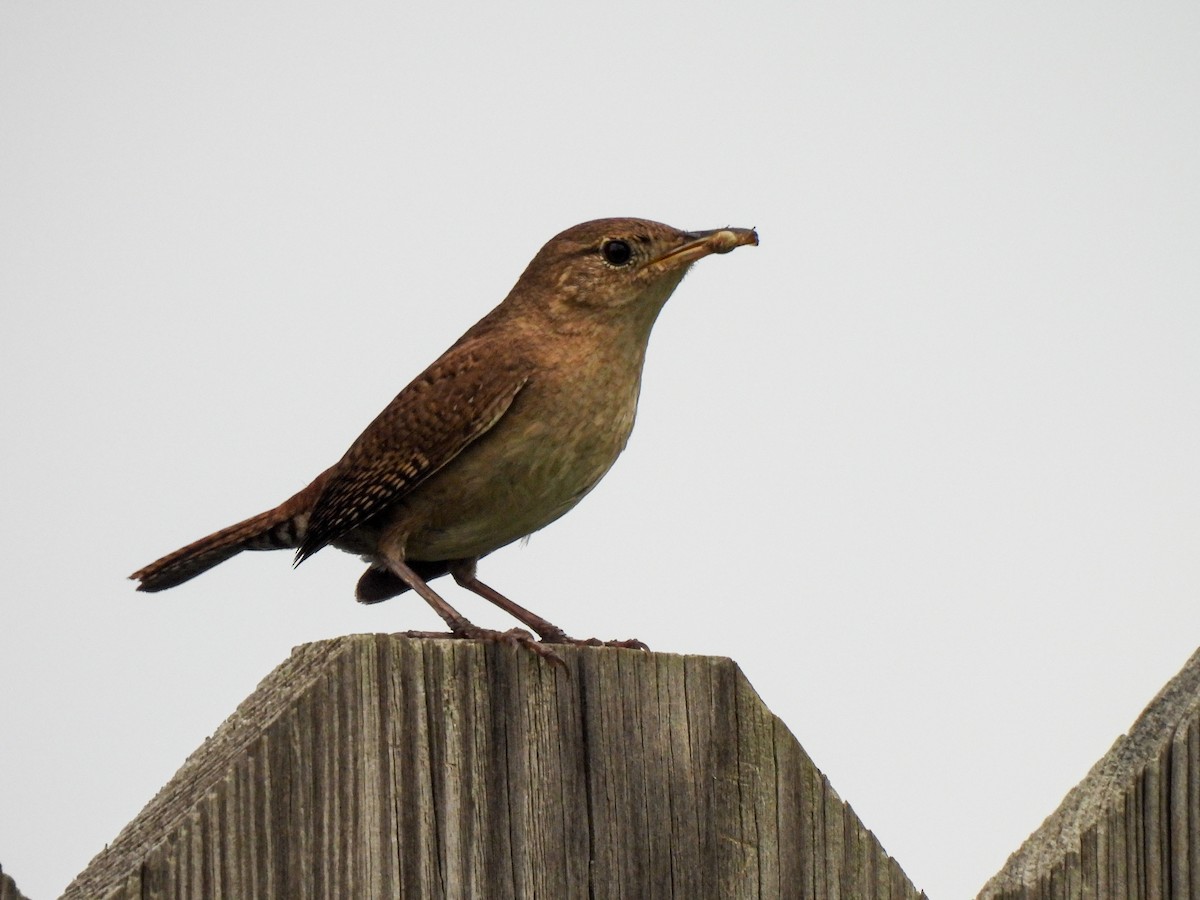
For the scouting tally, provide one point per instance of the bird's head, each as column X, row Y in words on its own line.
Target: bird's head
column 617, row 270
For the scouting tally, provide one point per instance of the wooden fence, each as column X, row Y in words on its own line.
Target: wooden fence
column 8, row 888
column 1131, row 828
column 376, row 766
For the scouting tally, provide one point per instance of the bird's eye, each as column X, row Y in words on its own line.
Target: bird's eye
column 616, row 253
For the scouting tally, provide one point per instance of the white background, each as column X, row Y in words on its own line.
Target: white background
column 924, row 462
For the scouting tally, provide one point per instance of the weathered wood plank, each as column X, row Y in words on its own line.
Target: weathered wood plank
column 8, row 887
column 376, row 766
column 1131, row 828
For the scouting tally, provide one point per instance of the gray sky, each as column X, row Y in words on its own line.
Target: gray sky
column 923, row 463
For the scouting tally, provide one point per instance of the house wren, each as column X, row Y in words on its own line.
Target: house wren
column 504, row 433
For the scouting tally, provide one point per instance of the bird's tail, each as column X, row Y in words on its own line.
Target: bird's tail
column 281, row 528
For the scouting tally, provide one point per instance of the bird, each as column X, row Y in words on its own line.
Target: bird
column 500, row 436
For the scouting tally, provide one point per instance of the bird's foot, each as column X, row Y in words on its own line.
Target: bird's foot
column 628, row 644
column 514, row 637
column 558, row 636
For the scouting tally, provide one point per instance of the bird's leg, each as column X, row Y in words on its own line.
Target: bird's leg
column 464, row 573
column 460, row 626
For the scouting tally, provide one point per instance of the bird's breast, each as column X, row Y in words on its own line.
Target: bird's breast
column 553, row 445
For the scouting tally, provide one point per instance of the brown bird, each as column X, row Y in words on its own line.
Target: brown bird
column 504, row 433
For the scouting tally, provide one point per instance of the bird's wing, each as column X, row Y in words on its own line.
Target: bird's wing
column 447, row 407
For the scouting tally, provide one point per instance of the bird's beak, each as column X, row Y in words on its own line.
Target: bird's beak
column 702, row 243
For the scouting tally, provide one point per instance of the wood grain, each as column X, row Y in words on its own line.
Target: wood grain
column 8, row 887
column 1131, row 828
column 378, row 766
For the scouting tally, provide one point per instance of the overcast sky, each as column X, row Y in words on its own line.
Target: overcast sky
column 924, row 462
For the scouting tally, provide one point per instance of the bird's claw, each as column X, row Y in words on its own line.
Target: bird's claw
column 630, row 644
column 514, row 637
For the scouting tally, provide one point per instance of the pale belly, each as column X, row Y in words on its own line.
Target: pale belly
column 510, row 484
